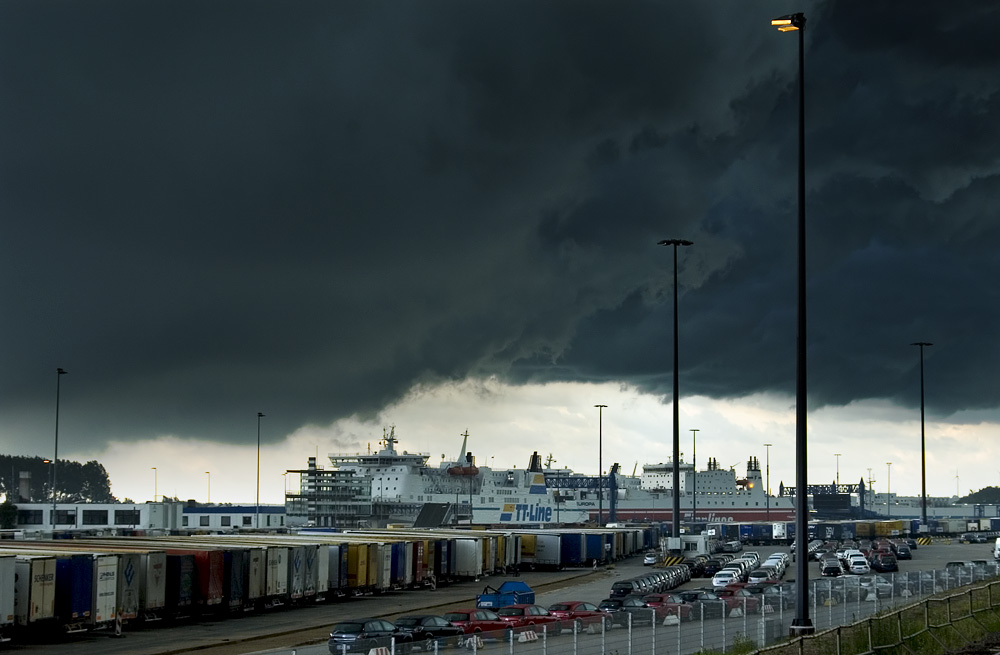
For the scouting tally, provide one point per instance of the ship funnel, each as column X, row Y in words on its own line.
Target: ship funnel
column 535, row 463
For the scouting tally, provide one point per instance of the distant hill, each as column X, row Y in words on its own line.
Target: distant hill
column 75, row 482
column 985, row 496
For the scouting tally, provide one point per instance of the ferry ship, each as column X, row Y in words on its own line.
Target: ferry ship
column 388, row 486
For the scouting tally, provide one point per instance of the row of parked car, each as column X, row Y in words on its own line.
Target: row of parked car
column 861, row 558
column 454, row 627
column 652, row 582
column 749, row 568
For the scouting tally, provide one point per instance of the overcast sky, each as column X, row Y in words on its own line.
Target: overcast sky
column 444, row 215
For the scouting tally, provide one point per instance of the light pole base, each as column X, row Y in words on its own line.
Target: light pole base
column 801, row 628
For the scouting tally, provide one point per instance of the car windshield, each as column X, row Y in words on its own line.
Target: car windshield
column 456, row 616
column 559, row 607
column 349, row 628
column 408, row 621
column 510, row 611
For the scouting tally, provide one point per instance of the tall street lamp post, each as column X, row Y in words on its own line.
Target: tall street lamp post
column 676, row 525
column 600, row 465
column 802, row 624
column 837, row 455
column 209, row 501
column 694, row 474
column 55, row 455
column 767, row 482
column 888, row 495
column 257, row 507
column 923, row 460
column 154, row 483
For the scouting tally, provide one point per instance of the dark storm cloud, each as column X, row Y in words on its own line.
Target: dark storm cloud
column 217, row 209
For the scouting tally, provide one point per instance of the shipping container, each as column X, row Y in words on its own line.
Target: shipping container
column 74, row 593
column 383, row 580
column 180, row 583
column 276, row 574
column 129, row 584
column 141, row 574
column 357, row 567
column 344, row 568
column 594, row 548
column 469, row 558
column 105, row 589
column 34, row 589
column 409, row 572
column 7, row 576
column 542, row 550
column 322, row 570
column 574, row 549
column 153, row 583
column 209, row 569
column 296, row 572
column 373, row 565
column 420, row 569
column 234, row 578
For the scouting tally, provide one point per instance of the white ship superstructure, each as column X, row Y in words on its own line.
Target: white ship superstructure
column 388, row 486
column 399, row 484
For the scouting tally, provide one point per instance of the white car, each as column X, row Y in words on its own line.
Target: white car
column 777, row 562
column 858, row 566
column 723, row 578
column 649, row 559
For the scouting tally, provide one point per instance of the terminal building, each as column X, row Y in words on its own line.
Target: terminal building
column 142, row 518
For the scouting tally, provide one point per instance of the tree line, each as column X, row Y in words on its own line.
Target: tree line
column 75, row 482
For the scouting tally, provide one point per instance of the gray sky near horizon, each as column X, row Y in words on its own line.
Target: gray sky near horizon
column 215, row 209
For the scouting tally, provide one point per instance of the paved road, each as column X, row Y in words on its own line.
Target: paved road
column 305, row 629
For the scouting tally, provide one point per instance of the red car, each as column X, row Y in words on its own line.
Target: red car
column 579, row 614
column 669, row 604
column 739, row 598
column 530, row 617
column 477, row 620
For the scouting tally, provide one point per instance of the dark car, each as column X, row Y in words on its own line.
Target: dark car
column 884, row 563
column 713, row 566
column 623, row 588
column 580, row 614
column 361, row 635
column 621, row 609
column 903, row 552
column 429, row 628
column 831, row 568
column 774, row 595
column 476, row 620
column 696, row 566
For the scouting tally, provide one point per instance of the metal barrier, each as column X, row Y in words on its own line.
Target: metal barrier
column 852, row 615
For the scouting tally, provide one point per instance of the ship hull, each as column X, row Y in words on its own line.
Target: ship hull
column 714, row 515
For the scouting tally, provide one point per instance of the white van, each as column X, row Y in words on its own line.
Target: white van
column 996, row 549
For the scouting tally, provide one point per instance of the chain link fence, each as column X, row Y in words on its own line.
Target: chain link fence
column 850, row 615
